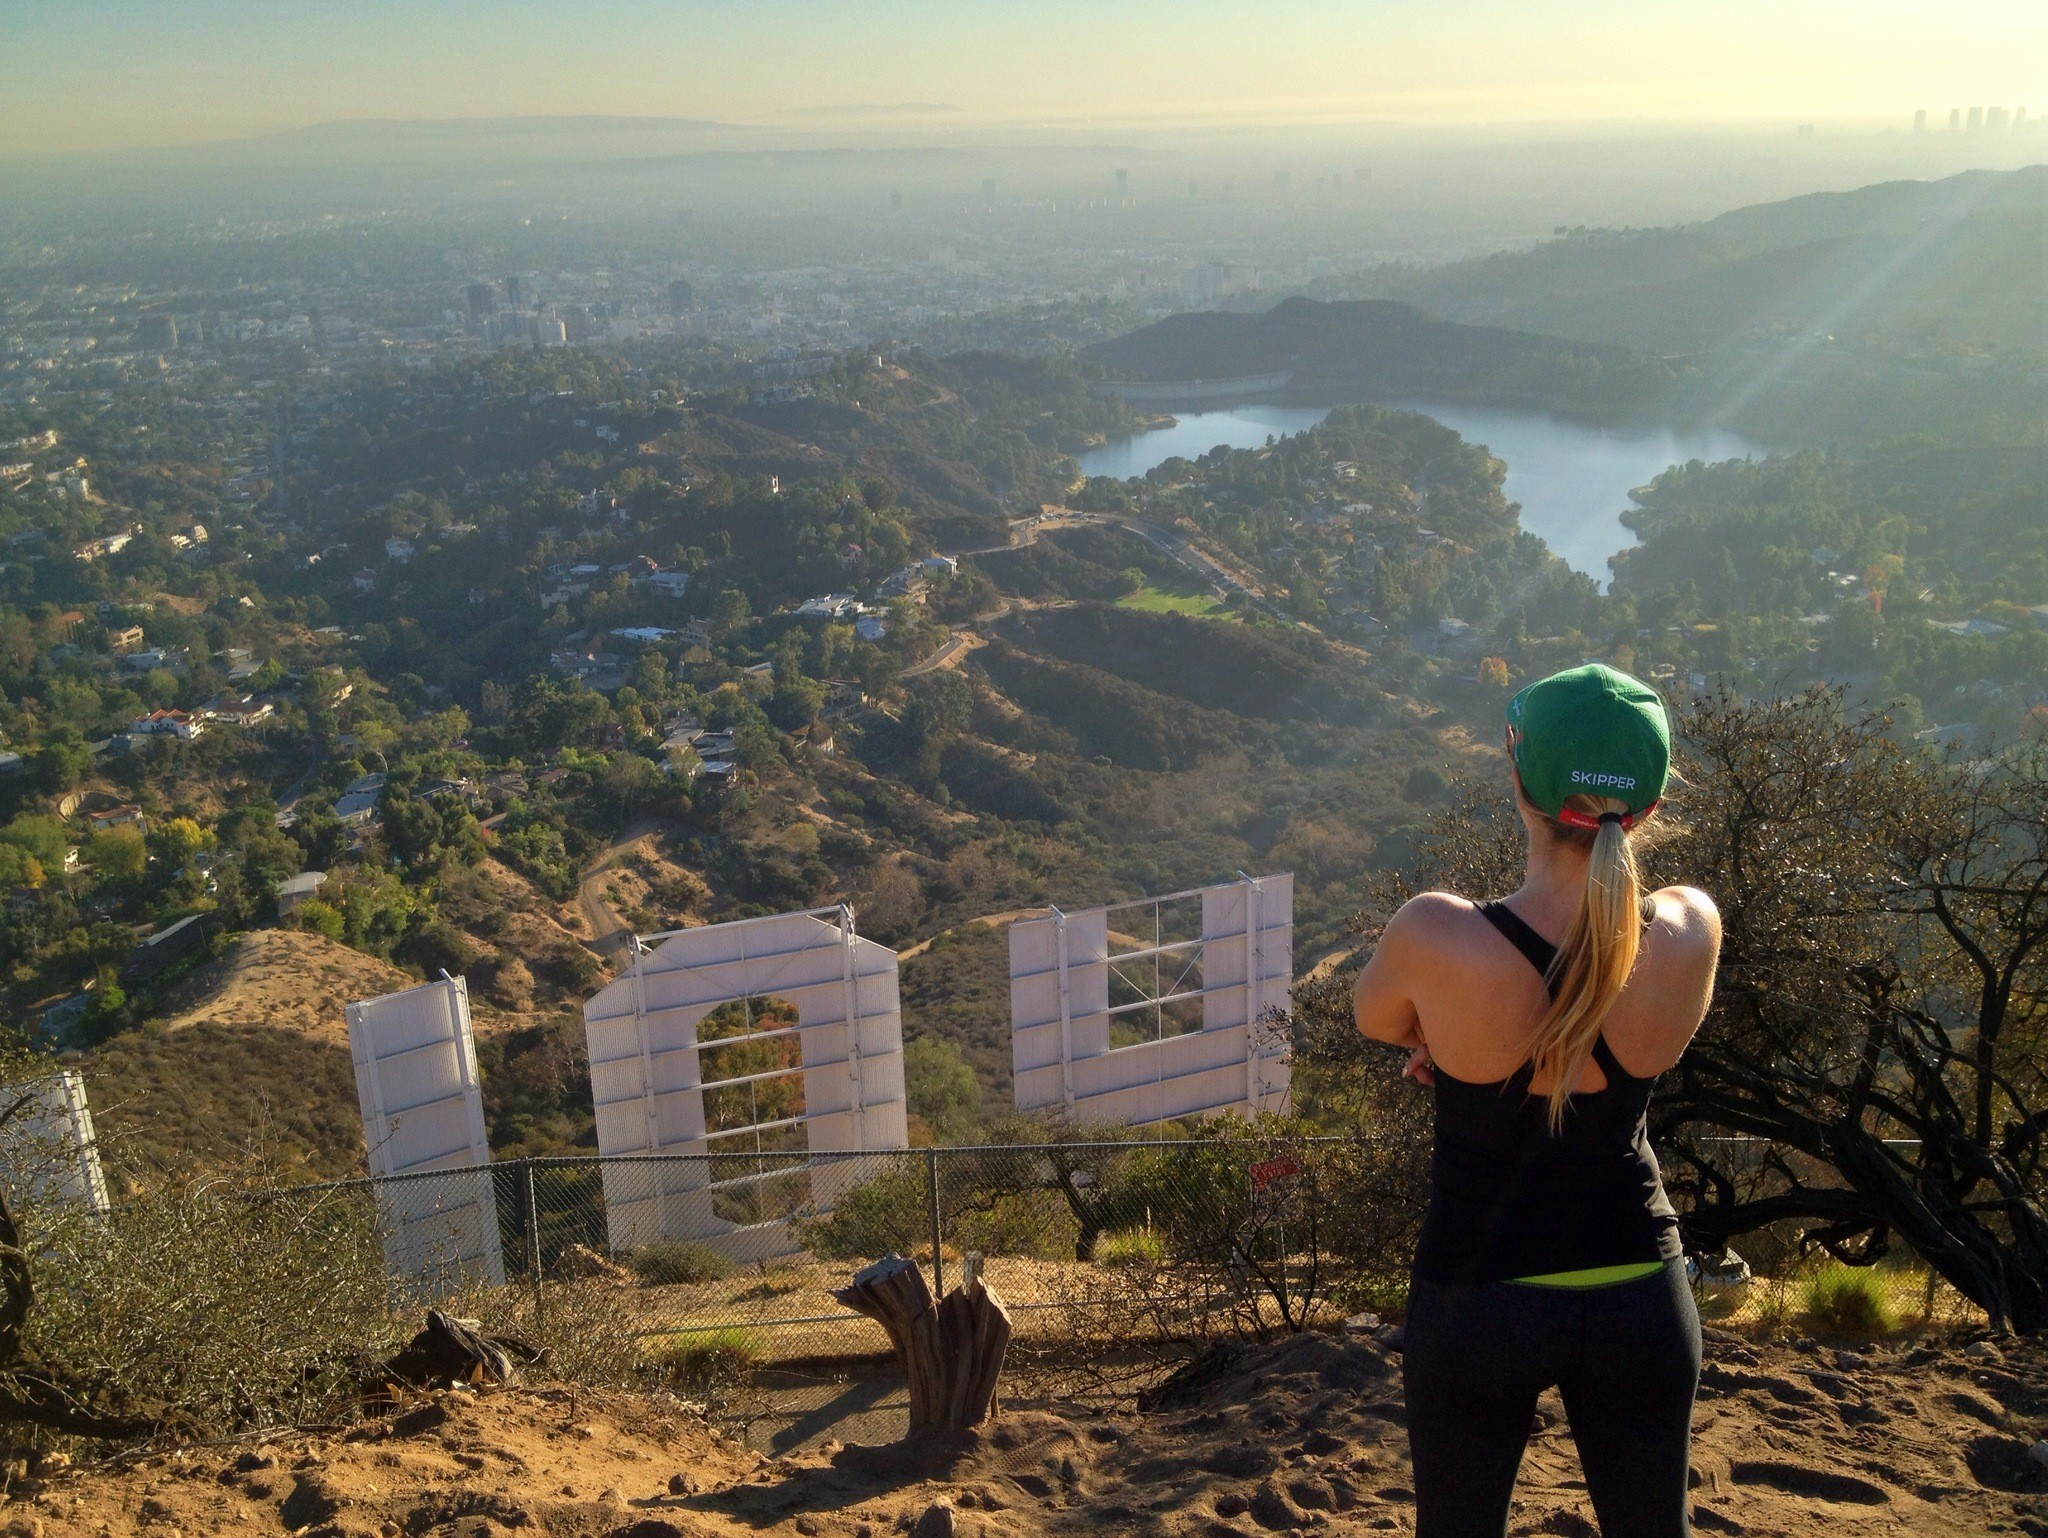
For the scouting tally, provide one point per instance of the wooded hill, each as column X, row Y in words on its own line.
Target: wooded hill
column 1382, row 350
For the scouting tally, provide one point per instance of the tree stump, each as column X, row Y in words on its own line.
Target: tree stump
column 952, row 1351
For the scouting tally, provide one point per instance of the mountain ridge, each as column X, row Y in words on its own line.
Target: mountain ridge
column 1958, row 260
column 1389, row 350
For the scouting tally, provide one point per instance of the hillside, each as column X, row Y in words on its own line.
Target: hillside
column 283, row 980
column 1379, row 349
column 253, row 1052
column 1953, row 262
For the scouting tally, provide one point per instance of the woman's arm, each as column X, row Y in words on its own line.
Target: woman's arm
column 1385, row 1000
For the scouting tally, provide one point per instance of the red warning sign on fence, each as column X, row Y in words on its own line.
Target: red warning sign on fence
column 1266, row 1173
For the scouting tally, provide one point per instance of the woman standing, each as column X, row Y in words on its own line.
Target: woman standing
column 1549, row 1253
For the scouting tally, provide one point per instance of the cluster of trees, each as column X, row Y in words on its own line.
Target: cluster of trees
column 1849, row 565
column 1376, row 512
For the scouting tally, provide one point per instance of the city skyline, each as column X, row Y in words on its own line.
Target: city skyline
column 151, row 73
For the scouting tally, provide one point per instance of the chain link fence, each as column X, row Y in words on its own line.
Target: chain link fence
column 1104, row 1247
column 746, row 1248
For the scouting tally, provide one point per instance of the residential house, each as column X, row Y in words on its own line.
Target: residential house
column 123, row 638
column 155, row 657
column 294, row 892
column 356, row 806
column 163, row 950
column 1969, row 627
column 457, row 789
column 243, row 711
column 106, row 544
column 714, row 747
column 828, row 606
column 167, row 723
column 124, row 815
column 842, row 698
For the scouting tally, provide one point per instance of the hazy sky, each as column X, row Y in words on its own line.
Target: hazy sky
column 98, row 73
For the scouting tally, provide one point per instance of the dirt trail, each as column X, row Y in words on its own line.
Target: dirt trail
column 1304, row 1436
column 609, row 933
column 985, row 920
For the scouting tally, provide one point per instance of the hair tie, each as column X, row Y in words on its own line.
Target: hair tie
column 1619, row 819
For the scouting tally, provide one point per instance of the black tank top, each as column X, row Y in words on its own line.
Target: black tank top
column 1508, row 1199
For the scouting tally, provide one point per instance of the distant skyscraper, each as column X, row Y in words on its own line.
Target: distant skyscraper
column 2019, row 118
column 512, row 292
column 1976, row 120
column 682, row 297
column 483, row 300
column 1994, row 120
column 1123, row 183
column 156, row 331
column 1920, row 121
column 1955, row 119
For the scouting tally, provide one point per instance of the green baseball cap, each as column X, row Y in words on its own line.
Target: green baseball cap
column 1590, row 730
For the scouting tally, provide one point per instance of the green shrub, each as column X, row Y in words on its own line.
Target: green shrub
column 705, row 1359
column 1131, row 1247
column 677, row 1262
column 888, row 1214
column 1847, row 1300
column 1033, row 1224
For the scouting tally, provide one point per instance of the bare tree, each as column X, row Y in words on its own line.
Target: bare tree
column 34, row 1392
column 1879, row 1015
column 1873, row 1067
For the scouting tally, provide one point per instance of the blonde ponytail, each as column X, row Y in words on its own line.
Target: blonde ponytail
column 1597, row 954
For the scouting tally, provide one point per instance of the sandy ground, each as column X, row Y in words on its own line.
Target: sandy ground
column 1303, row 1436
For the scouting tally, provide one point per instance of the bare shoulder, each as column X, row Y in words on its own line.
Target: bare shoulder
column 1431, row 916
column 1687, row 922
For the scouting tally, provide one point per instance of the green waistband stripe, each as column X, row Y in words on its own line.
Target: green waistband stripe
column 1596, row 1276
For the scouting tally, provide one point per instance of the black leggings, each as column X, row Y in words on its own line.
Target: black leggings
column 1626, row 1359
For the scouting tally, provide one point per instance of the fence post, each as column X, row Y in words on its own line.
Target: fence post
column 533, row 1239
column 931, row 1175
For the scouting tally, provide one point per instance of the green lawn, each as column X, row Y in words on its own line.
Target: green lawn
column 1153, row 600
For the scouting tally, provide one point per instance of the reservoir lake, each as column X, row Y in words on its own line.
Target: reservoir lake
column 1572, row 480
